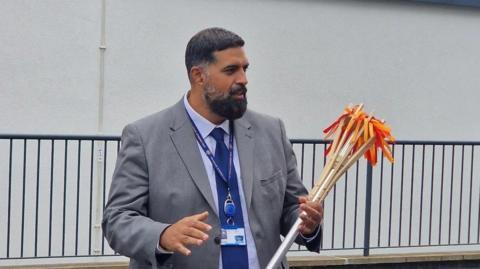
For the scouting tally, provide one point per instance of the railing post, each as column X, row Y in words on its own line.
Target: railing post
column 97, row 226
column 368, row 206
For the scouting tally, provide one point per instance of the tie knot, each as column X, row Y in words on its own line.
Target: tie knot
column 218, row 134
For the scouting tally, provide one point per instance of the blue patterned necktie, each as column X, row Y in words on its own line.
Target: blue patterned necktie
column 233, row 257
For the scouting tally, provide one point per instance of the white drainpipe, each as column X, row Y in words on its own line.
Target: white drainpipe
column 98, row 239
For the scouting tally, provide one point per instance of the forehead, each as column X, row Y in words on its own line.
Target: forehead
column 230, row 56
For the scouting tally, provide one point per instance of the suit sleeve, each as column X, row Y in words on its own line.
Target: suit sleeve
column 126, row 224
column 294, row 189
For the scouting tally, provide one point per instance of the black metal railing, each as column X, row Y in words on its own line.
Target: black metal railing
column 429, row 197
column 53, row 189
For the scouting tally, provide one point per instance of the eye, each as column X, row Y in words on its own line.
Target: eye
column 230, row 70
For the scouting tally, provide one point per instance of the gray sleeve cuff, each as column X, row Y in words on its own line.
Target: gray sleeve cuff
column 160, row 250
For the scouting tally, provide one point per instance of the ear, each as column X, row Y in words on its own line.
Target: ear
column 197, row 76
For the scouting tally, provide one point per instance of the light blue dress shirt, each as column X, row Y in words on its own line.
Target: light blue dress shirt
column 204, row 126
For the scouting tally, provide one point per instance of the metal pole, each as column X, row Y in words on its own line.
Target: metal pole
column 285, row 246
column 292, row 234
column 368, row 207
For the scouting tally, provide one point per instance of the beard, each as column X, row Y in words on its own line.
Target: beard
column 225, row 104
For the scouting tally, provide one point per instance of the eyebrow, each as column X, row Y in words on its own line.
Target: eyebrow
column 235, row 66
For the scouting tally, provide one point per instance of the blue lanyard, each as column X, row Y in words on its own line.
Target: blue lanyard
column 210, row 156
column 229, row 207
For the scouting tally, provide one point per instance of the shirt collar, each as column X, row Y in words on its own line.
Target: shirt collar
column 204, row 126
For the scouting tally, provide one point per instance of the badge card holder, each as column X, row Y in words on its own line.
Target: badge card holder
column 233, row 236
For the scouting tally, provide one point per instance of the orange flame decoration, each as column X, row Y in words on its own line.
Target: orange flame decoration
column 354, row 133
column 357, row 127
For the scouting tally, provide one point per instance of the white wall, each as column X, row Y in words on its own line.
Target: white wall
column 416, row 65
column 48, row 66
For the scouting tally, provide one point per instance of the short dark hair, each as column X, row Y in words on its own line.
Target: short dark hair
column 203, row 44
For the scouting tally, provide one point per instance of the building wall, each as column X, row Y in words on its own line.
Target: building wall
column 414, row 64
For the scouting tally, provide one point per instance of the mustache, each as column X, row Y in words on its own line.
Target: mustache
column 238, row 89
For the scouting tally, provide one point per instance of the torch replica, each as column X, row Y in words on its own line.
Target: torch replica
column 355, row 134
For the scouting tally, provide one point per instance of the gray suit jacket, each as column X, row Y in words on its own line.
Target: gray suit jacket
column 160, row 178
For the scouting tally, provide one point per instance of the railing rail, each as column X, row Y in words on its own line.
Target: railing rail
column 53, row 189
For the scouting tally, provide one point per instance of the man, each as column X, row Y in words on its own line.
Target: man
column 207, row 183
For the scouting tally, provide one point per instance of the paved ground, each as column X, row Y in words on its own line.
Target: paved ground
column 447, row 260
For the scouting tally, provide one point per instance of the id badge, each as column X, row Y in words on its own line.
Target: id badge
column 233, row 236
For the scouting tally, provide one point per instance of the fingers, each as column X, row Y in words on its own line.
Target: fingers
column 187, row 231
column 305, row 230
column 195, row 233
column 200, row 225
column 312, row 211
column 311, row 215
column 190, row 240
column 308, row 225
column 302, row 199
column 184, row 241
column 182, row 249
column 202, row 216
column 196, row 228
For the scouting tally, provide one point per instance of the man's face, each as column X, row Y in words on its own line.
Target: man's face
column 225, row 89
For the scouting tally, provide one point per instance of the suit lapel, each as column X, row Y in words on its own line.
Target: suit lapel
column 245, row 144
column 185, row 143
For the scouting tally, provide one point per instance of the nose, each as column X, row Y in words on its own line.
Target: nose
column 242, row 77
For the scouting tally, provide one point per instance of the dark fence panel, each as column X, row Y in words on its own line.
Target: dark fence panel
column 53, row 190
column 52, row 193
column 429, row 197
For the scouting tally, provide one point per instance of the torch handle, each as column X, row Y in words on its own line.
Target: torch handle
column 285, row 246
column 336, row 167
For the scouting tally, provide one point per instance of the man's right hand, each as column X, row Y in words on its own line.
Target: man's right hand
column 187, row 231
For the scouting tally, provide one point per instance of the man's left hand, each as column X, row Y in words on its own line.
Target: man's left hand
column 311, row 214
